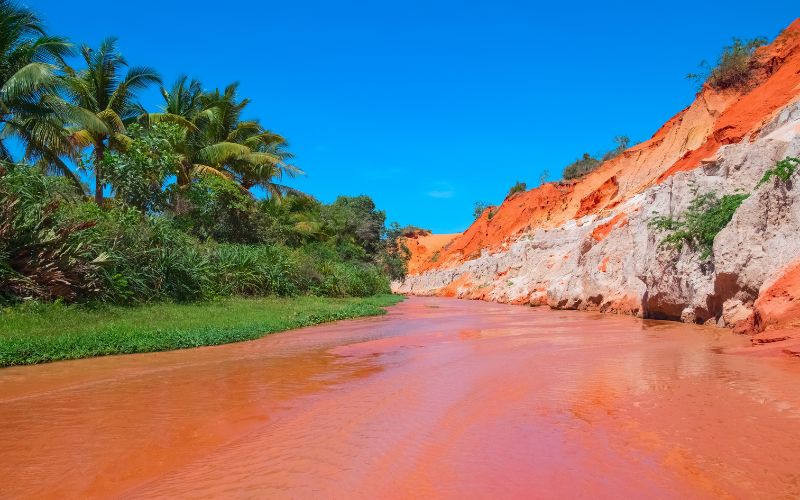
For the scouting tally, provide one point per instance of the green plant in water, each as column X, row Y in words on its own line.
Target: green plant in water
column 783, row 170
column 699, row 224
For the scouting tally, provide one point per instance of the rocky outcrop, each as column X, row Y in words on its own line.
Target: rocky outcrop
column 589, row 245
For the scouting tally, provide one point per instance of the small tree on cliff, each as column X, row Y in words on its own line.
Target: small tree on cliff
column 479, row 208
column 734, row 67
column 518, row 187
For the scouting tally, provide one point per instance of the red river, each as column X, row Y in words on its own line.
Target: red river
column 439, row 398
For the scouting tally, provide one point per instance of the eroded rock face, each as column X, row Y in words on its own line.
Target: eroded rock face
column 611, row 260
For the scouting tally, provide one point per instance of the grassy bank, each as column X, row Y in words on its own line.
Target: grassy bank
column 52, row 332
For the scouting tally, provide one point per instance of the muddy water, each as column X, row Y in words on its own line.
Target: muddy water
column 440, row 397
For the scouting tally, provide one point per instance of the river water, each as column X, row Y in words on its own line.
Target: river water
column 439, row 398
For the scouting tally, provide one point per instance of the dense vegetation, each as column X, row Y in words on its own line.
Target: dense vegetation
column 734, row 67
column 173, row 213
column 38, row 333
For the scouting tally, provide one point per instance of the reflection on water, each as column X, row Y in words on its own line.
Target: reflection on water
column 439, row 398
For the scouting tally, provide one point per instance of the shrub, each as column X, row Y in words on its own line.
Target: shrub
column 479, row 208
column 220, row 210
column 147, row 257
column 393, row 258
column 783, row 171
column 39, row 257
column 706, row 215
column 581, row 167
column 734, row 67
column 412, row 231
column 138, row 173
column 588, row 163
column 622, row 141
column 543, row 177
column 518, row 187
column 341, row 279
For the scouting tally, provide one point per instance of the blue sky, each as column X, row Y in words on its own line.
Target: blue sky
column 430, row 106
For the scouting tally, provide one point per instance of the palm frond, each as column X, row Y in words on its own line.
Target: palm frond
column 32, row 77
column 221, row 152
column 200, row 169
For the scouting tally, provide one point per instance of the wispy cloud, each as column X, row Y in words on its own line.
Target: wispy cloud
column 442, row 190
column 441, row 194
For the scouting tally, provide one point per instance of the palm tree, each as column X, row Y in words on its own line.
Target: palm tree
column 215, row 141
column 267, row 163
column 184, row 106
column 31, row 110
column 109, row 96
column 243, row 149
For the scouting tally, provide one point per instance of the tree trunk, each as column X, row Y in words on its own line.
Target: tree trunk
column 99, row 154
column 183, row 181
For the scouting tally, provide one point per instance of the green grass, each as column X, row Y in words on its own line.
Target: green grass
column 42, row 333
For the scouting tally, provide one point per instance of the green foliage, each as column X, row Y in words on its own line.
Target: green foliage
column 623, row 142
column 706, row 215
column 518, row 187
column 183, row 222
column 54, row 245
column 38, row 333
column 479, row 208
column 394, row 259
column 218, row 209
column 139, row 172
column 581, row 167
column 783, row 171
column 734, row 66
column 31, row 108
column 39, row 257
column 588, row 163
column 355, row 223
column 342, row 279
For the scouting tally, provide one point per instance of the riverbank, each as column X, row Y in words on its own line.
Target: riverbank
column 53, row 332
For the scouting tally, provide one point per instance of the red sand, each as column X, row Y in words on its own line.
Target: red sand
column 441, row 398
column 424, row 249
column 779, row 305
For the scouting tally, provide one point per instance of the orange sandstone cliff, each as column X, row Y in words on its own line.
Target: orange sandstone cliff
column 586, row 244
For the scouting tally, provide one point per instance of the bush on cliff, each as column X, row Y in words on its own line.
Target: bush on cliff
column 588, row 163
column 734, row 67
column 706, row 215
column 783, row 171
column 581, row 167
column 479, row 208
column 518, row 187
